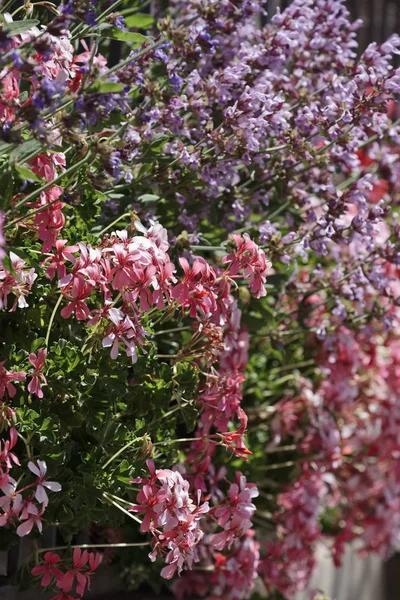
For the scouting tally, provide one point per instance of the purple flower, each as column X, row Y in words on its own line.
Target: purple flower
column 176, row 82
column 119, row 22
column 49, row 94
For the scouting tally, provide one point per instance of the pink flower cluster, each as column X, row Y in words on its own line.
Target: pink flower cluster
column 290, row 559
column 347, row 429
column 64, row 575
column 7, row 387
column 172, row 518
column 231, row 577
column 139, row 270
column 248, row 257
column 22, row 504
column 17, row 284
column 235, row 513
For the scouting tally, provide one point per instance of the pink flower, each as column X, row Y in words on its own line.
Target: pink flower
column 126, row 329
column 58, row 258
column 9, row 94
column 48, row 569
column 63, row 596
column 94, row 561
column 195, row 291
column 33, row 517
column 49, row 221
column 12, row 513
column 171, row 516
column 81, row 290
column 5, row 455
column 38, row 362
column 6, row 377
column 19, row 286
column 249, row 258
column 40, row 472
column 45, row 164
column 9, row 487
column 80, row 559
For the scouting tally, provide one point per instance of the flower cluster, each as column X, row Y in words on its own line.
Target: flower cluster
column 172, row 518
column 123, row 172
column 54, row 570
column 26, row 509
column 16, row 283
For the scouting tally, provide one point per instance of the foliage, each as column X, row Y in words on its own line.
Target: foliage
column 199, row 254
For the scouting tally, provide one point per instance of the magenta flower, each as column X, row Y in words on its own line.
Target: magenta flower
column 6, row 377
column 38, row 362
column 48, row 570
column 40, row 472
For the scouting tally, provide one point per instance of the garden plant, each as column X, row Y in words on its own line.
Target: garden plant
column 199, row 293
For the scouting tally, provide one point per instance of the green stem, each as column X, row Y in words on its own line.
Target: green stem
column 53, row 314
column 18, row 10
column 304, row 363
column 132, row 11
column 119, row 545
column 172, row 330
column 179, row 441
column 114, row 456
column 134, row 58
column 118, row 499
column 112, row 224
column 284, row 465
column 209, row 248
column 373, row 138
column 288, row 448
column 48, row 185
column 130, row 515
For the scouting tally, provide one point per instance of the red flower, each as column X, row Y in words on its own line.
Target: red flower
column 48, row 569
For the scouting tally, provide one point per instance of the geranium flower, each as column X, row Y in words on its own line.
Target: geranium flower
column 40, row 472
column 37, row 361
column 48, row 570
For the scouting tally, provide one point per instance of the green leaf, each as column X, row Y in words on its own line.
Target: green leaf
column 139, row 21
column 190, row 415
column 106, row 87
column 7, row 188
column 20, row 26
column 23, row 97
column 148, row 199
column 38, row 343
column 127, row 36
column 7, row 264
column 4, row 147
column 24, row 174
column 24, row 150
